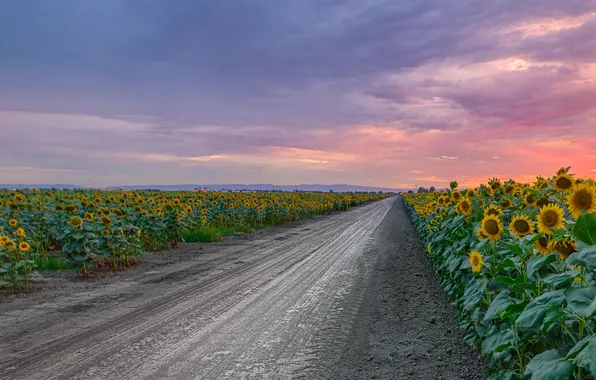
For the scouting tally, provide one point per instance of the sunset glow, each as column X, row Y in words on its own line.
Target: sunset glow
column 297, row 92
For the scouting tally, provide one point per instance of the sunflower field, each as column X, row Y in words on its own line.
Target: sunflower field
column 518, row 262
column 85, row 229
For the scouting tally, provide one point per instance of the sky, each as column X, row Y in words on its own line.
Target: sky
column 389, row 93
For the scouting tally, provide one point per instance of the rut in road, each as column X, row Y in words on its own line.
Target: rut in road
column 284, row 305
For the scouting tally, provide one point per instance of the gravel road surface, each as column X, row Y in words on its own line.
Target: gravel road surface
column 344, row 296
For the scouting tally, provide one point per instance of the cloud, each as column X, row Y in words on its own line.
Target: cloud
column 345, row 91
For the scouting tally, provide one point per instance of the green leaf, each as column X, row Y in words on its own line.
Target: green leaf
column 553, row 315
column 549, row 365
column 582, row 301
column 587, row 356
column 578, row 347
column 585, row 257
column 497, row 305
column 585, row 229
column 497, row 339
column 535, row 263
column 560, row 280
column 534, row 313
column 474, row 293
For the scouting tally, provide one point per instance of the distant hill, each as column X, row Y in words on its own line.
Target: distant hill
column 263, row 187
column 40, row 186
column 339, row 188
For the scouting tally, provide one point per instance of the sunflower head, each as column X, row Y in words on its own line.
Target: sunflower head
column 70, row 208
column 563, row 182
column 24, row 246
column 476, row 261
column 465, row 207
column 106, row 232
column 583, row 198
column 12, row 222
column 506, row 203
column 19, row 198
column 542, row 246
column 138, row 209
column 88, row 216
column 21, row 232
column 493, row 210
column 521, row 225
column 529, row 199
column 105, row 220
column 75, row 221
column 551, row 216
column 176, row 201
column 470, row 193
column 492, row 227
column 565, row 247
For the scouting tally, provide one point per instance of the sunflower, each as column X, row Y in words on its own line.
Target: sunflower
column 465, row 207
column 563, row 182
column 75, row 221
column 542, row 201
column 489, row 191
column 19, row 198
column 492, row 227
column 583, row 198
column 12, row 222
column 138, row 209
column 204, row 219
column 562, row 171
column 476, row 261
column 521, row 225
column 139, row 233
column 214, row 203
column 106, row 232
column 24, row 246
column 456, row 195
column 493, row 210
column 551, row 216
column 10, row 245
column 105, row 220
column 529, row 199
column 565, row 247
column 176, row 201
column 169, row 207
column 88, row 216
column 506, row 203
column 70, row 208
column 97, row 200
column 542, row 246
column 481, row 234
column 21, row 232
column 470, row 193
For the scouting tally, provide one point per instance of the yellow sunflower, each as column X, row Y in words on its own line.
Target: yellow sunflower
column 24, row 246
column 456, row 195
column 106, row 232
column 89, row 216
column 21, row 232
column 583, row 198
column 480, row 234
column 493, row 210
column 563, row 182
column 521, row 225
column 551, row 216
column 565, row 247
column 542, row 246
column 12, row 222
column 492, row 227
column 529, row 199
column 465, row 207
column 75, row 221
column 470, row 193
column 105, row 220
column 476, row 261
column 19, row 198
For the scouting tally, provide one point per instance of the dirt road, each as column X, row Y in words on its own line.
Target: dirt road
column 320, row 299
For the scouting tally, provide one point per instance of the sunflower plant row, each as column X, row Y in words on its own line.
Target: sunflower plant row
column 518, row 262
column 94, row 228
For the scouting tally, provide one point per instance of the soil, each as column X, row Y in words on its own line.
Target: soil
column 343, row 296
